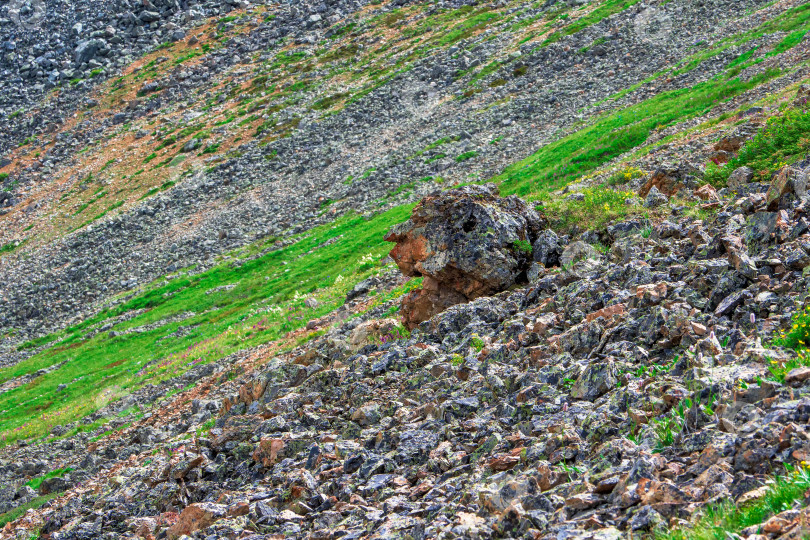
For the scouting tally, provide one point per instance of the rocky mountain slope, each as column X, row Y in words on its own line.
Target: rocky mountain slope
column 202, row 334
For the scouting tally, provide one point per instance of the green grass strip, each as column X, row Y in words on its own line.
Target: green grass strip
column 610, row 7
column 235, row 306
column 18, row 512
column 613, row 134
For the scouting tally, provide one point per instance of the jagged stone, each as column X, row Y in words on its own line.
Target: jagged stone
column 467, row 243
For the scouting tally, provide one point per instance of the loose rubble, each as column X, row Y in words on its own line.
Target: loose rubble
column 536, row 412
column 541, row 384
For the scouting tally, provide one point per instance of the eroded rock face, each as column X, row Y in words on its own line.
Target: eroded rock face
column 466, row 243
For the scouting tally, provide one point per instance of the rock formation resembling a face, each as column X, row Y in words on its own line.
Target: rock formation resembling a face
column 466, row 243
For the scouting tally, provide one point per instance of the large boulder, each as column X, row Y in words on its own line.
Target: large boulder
column 465, row 243
column 89, row 49
column 670, row 179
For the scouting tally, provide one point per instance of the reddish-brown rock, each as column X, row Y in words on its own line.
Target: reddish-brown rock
column 268, row 450
column 668, row 180
column 466, row 243
column 195, row 517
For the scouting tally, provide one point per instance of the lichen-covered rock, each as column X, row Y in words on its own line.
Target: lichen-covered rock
column 576, row 252
column 668, row 180
column 195, row 517
column 547, row 249
column 596, row 380
column 740, row 177
column 655, row 198
column 466, row 243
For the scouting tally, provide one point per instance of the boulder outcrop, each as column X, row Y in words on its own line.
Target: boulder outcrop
column 465, row 243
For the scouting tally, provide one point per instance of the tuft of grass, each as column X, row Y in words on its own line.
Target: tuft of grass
column 790, row 41
column 607, row 9
column 523, row 246
column 35, row 483
column 329, row 101
column 11, row 246
column 797, row 338
column 624, row 176
column 601, row 205
column 467, row 28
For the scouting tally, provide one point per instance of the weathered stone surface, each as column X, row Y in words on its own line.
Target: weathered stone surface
column 782, row 184
column 547, row 249
column 655, row 198
column 469, row 242
column 268, row 451
column 195, row 517
column 740, row 177
column 576, row 252
column 597, row 379
column 666, row 180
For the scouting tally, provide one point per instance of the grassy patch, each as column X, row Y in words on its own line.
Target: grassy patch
column 468, row 28
column 797, row 338
column 624, row 176
column 790, row 41
column 18, row 512
column 11, row 246
column 783, row 140
column 233, row 306
column 327, row 102
column 722, row 521
column 594, row 208
column 615, row 133
column 607, row 9
column 792, row 20
column 35, row 483
column 466, row 155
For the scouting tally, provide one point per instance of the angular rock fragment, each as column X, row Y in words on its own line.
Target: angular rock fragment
column 466, row 243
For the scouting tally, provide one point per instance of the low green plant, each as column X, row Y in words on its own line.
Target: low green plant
column 625, row 176
column 11, row 246
column 205, row 428
column 523, row 246
column 466, row 155
column 598, row 206
column 35, row 483
column 665, row 431
column 797, row 337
